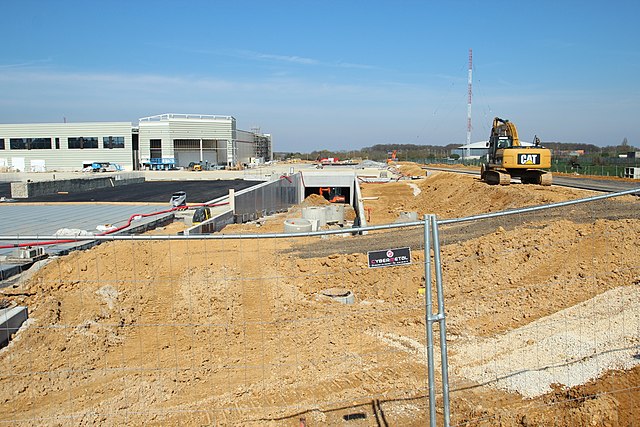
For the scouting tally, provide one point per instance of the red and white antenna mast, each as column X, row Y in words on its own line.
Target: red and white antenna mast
column 469, row 102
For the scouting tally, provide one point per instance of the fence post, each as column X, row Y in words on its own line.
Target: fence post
column 431, row 237
column 440, row 317
column 429, row 323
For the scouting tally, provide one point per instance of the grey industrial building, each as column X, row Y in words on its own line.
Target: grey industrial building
column 162, row 141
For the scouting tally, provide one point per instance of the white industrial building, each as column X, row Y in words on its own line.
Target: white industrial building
column 477, row 150
column 204, row 139
column 43, row 147
column 163, row 141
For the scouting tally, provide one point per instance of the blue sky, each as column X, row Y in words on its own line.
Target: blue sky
column 330, row 74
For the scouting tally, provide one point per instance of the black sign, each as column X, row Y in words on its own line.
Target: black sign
column 528, row 159
column 389, row 257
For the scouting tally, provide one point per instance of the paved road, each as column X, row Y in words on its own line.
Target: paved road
column 147, row 192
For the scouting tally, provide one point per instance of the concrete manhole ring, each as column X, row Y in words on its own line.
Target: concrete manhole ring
column 345, row 296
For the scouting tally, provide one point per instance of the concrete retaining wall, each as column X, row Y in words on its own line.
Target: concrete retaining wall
column 212, row 225
column 267, row 198
column 10, row 321
column 24, row 190
column 358, row 205
column 255, row 202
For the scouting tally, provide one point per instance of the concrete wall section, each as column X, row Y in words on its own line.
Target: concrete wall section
column 318, row 179
column 212, row 225
column 10, row 321
column 255, row 202
column 24, row 190
column 358, row 206
column 267, row 198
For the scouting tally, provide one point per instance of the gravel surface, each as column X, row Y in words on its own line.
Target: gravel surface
column 587, row 339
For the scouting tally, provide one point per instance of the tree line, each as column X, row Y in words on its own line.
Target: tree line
column 414, row 152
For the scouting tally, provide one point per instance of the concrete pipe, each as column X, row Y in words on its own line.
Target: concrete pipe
column 297, row 225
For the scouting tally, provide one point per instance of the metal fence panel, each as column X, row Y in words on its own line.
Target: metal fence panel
column 541, row 314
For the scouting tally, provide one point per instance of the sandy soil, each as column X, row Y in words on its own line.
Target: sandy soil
column 236, row 332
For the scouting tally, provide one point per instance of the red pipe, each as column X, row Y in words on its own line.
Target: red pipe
column 57, row 242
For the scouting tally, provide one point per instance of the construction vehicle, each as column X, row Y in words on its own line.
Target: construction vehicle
column 508, row 158
column 332, row 194
column 392, row 156
column 201, row 214
column 193, row 166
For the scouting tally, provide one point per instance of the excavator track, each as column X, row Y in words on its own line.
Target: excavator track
column 546, row 179
column 537, row 177
column 493, row 177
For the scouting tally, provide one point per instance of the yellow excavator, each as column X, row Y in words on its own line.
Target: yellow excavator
column 507, row 158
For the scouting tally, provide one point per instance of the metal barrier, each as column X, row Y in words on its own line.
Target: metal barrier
column 259, row 329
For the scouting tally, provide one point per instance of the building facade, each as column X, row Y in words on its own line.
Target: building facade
column 212, row 141
column 167, row 139
column 64, row 146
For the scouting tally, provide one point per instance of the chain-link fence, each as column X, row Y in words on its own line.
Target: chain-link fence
column 234, row 331
column 542, row 316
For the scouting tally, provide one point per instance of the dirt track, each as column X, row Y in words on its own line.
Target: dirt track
column 234, row 332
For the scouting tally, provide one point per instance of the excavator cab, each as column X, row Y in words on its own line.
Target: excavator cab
column 505, row 142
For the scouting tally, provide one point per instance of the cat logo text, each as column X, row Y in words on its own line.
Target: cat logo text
column 528, row 159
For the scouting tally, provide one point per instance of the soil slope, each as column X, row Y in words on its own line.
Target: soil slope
column 237, row 332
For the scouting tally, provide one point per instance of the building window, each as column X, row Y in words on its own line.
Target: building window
column 30, row 143
column 1, row 143
column 155, row 146
column 40, row 144
column 57, row 143
column 18, row 143
column 83, row 142
column 113, row 142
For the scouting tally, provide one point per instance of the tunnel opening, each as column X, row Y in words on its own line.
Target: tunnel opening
column 331, row 194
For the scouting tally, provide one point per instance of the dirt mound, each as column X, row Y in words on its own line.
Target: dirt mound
column 237, row 332
column 314, row 200
column 451, row 195
column 410, row 169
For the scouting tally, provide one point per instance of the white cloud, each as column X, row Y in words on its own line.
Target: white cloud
column 26, row 64
column 309, row 113
column 301, row 60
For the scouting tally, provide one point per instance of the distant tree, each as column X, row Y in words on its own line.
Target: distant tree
column 454, row 156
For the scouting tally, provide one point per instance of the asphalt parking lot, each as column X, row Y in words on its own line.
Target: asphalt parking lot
column 147, row 192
